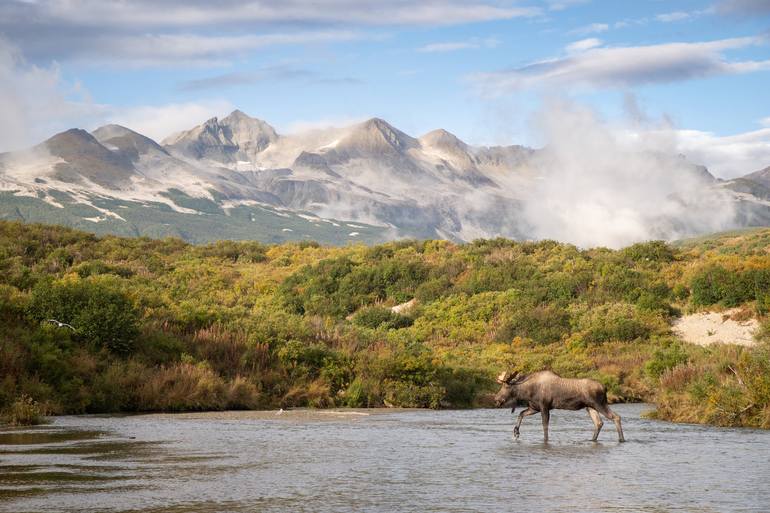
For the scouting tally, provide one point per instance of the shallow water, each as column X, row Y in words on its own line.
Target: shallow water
column 387, row 461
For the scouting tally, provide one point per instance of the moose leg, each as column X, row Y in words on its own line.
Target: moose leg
column 525, row 413
column 545, row 413
column 614, row 417
column 597, row 422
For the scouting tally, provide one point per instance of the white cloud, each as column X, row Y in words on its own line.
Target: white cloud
column 560, row 5
column 329, row 123
column 727, row 156
column 583, row 45
column 35, row 101
column 191, row 49
column 684, row 15
column 609, row 67
column 158, row 122
column 673, row 16
column 148, row 32
column 612, row 185
column 452, row 46
column 593, row 28
column 178, row 13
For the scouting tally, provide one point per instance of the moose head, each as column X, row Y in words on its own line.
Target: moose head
column 507, row 392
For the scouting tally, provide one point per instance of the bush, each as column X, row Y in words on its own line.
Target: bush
column 99, row 314
column 613, row 321
column 716, row 284
column 653, row 251
column 379, row 316
column 543, row 324
column 665, row 359
column 24, row 411
column 184, row 386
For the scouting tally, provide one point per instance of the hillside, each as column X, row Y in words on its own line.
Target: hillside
column 164, row 325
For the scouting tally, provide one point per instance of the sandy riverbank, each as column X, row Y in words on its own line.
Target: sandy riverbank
column 706, row 328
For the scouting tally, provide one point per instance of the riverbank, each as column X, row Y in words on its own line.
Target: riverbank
column 99, row 325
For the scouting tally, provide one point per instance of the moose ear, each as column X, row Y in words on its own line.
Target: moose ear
column 512, row 377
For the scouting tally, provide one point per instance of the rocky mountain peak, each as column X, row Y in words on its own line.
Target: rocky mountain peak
column 376, row 136
column 234, row 138
column 441, row 138
column 117, row 137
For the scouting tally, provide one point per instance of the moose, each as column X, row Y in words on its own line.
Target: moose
column 545, row 391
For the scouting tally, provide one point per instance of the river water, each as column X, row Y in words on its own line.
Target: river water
column 392, row 460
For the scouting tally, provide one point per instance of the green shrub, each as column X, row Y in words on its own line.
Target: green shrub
column 716, row 284
column 664, row 359
column 96, row 267
column 24, row 411
column 613, row 321
column 99, row 313
column 653, row 251
column 380, row 316
column 543, row 324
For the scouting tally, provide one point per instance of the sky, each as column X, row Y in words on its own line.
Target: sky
column 481, row 69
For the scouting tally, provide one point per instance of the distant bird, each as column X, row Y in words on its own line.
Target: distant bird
column 60, row 324
column 279, row 412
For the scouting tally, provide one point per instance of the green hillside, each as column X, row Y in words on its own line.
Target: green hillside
column 166, row 325
column 203, row 221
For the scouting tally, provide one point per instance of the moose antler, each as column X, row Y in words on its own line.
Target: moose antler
column 507, row 377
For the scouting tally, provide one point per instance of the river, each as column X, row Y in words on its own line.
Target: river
column 380, row 460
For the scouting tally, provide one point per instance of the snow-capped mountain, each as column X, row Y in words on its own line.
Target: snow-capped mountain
column 236, row 177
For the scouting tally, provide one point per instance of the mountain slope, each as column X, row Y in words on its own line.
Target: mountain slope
column 370, row 175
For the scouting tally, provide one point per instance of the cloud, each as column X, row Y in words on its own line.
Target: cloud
column 35, row 101
column 144, row 32
column 583, row 45
column 744, row 7
column 727, row 156
column 158, row 122
column 607, row 185
column 560, row 5
column 683, row 15
column 673, row 16
column 183, row 13
column 330, row 123
column 593, row 28
column 189, row 49
column 609, row 67
column 470, row 44
column 239, row 78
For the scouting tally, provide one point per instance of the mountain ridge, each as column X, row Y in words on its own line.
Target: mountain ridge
column 367, row 174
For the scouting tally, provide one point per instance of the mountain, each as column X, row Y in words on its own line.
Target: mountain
column 237, row 178
column 233, row 139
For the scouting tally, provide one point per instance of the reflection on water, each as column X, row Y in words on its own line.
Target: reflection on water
column 392, row 461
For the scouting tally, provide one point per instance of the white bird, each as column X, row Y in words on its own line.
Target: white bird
column 279, row 411
column 61, row 324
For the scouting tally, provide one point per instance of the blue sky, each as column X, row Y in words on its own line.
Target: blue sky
column 480, row 69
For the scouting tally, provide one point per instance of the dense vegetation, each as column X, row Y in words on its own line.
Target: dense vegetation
column 164, row 325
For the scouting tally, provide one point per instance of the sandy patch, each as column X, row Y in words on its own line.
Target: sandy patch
column 706, row 328
column 404, row 307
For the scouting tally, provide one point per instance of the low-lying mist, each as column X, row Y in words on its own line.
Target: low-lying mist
column 604, row 185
